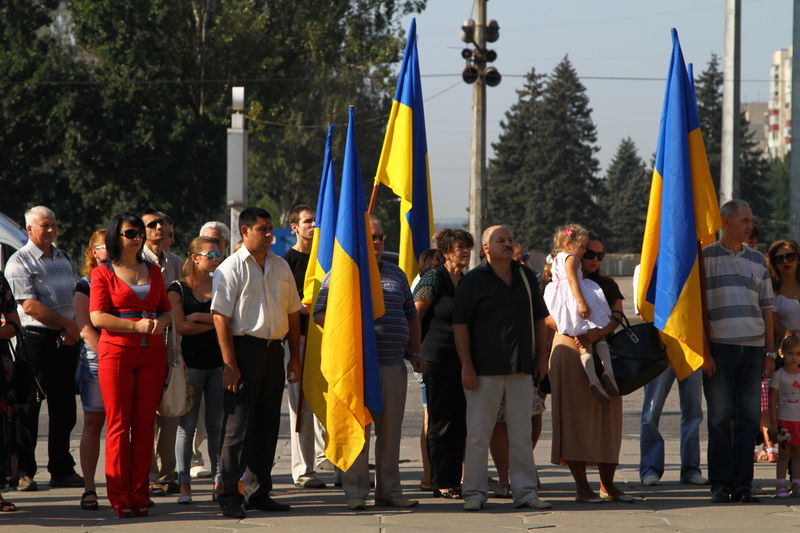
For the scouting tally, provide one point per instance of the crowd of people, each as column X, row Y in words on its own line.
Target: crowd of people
column 488, row 346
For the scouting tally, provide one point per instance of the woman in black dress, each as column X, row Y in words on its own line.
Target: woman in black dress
column 8, row 310
column 434, row 297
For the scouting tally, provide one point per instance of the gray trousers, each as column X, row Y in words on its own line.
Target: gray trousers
column 388, row 430
column 483, row 404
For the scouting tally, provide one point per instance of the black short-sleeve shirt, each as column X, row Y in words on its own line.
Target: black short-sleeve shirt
column 200, row 350
column 298, row 262
column 499, row 319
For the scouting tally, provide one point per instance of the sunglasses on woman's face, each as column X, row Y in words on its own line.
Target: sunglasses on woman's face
column 133, row 234
column 212, row 255
column 591, row 254
column 791, row 256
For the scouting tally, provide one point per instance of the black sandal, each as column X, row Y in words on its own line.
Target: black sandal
column 6, row 506
column 452, row 494
column 89, row 505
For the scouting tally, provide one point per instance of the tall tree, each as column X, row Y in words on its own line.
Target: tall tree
column 625, row 198
column 708, row 88
column 562, row 162
column 509, row 176
column 145, row 124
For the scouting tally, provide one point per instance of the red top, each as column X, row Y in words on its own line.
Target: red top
column 112, row 295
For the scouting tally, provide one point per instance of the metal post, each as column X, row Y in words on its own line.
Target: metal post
column 237, row 164
column 731, row 112
column 477, row 182
column 794, row 161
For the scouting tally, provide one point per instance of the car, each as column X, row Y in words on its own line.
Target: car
column 12, row 238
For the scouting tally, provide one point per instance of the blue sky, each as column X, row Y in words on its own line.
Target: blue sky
column 620, row 38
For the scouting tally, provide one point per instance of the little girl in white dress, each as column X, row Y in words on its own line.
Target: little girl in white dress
column 578, row 305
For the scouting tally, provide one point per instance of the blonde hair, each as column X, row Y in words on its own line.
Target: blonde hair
column 89, row 261
column 788, row 341
column 189, row 270
column 567, row 234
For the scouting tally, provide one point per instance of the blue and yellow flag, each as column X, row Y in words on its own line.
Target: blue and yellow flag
column 403, row 166
column 683, row 214
column 315, row 387
column 355, row 299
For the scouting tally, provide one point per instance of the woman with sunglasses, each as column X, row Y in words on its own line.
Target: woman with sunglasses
column 586, row 431
column 94, row 415
column 191, row 309
column 782, row 259
column 128, row 301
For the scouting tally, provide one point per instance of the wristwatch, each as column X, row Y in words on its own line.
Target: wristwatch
column 771, row 355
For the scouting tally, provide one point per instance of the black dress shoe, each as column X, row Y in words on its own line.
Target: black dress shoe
column 265, row 503
column 721, row 497
column 233, row 510
column 744, row 496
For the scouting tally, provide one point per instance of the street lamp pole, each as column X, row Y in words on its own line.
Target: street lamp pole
column 237, row 164
column 477, row 73
column 477, row 181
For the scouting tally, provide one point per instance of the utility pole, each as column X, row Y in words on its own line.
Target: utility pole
column 794, row 155
column 731, row 112
column 478, row 32
column 477, row 174
column 237, row 164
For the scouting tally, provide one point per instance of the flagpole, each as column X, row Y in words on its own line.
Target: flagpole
column 373, row 198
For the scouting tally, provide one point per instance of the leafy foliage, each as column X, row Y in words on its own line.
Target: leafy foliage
column 116, row 105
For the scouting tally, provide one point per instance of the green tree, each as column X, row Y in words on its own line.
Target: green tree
column 562, row 162
column 509, row 176
column 117, row 105
column 708, row 89
column 39, row 117
column 625, row 198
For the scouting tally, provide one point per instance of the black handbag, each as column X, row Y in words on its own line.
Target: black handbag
column 637, row 354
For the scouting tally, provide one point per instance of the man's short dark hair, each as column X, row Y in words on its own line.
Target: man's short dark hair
column 249, row 216
column 159, row 214
column 113, row 246
column 294, row 214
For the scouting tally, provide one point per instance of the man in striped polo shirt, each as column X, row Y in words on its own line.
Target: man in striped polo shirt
column 740, row 330
column 397, row 332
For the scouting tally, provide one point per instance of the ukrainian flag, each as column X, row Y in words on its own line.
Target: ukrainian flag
column 682, row 216
column 355, row 299
column 315, row 388
column 403, row 166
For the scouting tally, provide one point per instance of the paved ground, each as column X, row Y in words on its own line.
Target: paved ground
column 670, row 506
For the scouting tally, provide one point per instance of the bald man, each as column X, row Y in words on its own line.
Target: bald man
column 499, row 330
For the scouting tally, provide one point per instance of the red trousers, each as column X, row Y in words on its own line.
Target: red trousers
column 131, row 380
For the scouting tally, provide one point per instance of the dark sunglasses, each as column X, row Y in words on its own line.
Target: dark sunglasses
column 791, row 256
column 153, row 223
column 133, row 234
column 591, row 254
column 212, row 255
column 379, row 237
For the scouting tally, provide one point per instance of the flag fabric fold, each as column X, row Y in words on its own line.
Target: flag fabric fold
column 315, row 387
column 354, row 300
column 682, row 215
column 403, row 165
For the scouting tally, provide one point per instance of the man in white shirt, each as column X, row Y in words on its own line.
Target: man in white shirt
column 254, row 305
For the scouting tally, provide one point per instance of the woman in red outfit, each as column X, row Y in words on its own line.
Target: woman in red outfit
column 129, row 302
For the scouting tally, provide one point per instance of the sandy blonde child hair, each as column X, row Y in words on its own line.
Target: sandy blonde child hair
column 567, row 234
column 789, row 341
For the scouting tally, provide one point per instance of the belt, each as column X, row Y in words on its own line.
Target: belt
column 144, row 313
column 37, row 331
column 256, row 340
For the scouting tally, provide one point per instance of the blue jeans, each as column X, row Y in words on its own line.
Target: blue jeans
column 208, row 383
column 651, row 443
column 733, row 396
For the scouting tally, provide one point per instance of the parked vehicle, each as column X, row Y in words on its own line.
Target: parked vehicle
column 12, row 238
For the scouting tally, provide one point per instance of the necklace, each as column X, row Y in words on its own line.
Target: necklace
column 135, row 279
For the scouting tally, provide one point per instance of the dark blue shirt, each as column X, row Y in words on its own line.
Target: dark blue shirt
column 391, row 330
